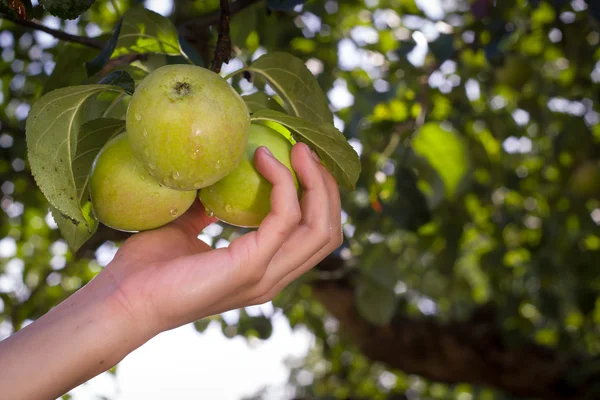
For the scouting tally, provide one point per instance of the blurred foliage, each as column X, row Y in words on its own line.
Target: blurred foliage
column 479, row 135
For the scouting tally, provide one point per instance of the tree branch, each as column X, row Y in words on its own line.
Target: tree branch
column 473, row 351
column 90, row 42
column 223, row 49
column 214, row 18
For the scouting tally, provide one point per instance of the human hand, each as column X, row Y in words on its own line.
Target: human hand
column 168, row 277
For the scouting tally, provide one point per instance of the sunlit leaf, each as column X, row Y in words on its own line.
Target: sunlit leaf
column 144, row 31
column 445, row 151
column 329, row 143
column 296, row 85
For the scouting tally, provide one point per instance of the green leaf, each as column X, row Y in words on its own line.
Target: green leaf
column 52, row 132
column 446, row 153
column 119, row 78
column 70, row 67
column 329, row 143
column 260, row 101
column 144, row 31
column 375, row 302
column 296, row 85
column 76, row 234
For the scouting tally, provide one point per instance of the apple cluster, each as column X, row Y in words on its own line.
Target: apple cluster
column 187, row 131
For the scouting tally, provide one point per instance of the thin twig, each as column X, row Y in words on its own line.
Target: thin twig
column 90, row 42
column 223, row 49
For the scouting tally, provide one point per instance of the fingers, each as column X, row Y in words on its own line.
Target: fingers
column 279, row 281
column 194, row 220
column 315, row 231
column 258, row 248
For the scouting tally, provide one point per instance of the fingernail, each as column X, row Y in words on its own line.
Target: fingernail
column 267, row 151
column 312, row 153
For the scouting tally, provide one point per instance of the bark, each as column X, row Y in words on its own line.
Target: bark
column 472, row 351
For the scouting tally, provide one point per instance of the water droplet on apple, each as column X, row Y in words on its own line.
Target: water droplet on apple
column 197, row 132
column 145, row 133
column 195, row 154
column 228, row 208
column 155, row 194
column 218, row 165
column 174, row 212
column 138, row 117
column 176, row 175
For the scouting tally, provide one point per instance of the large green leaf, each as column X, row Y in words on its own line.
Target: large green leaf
column 144, row 31
column 260, row 101
column 296, row 85
column 76, row 234
column 329, row 143
column 53, row 130
column 445, row 151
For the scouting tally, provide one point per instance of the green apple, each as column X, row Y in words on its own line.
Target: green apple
column 124, row 195
column 243, row 198
column 188, row 126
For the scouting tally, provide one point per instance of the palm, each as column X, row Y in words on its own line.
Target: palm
column 169, row 242
column 169, row 276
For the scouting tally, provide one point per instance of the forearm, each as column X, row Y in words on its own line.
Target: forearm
column 83, row 336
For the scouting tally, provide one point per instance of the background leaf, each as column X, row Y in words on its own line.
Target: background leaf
column 284, row 5
column 296, row 85
column 445, row 152
column 375, row 302
column 52, row 132
column 329, row 143
column 144, row 31
column 70, row 68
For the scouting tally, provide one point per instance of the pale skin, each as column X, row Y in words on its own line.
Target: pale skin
column 165, row 278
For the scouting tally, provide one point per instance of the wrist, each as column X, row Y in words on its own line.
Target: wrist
column 118, row 302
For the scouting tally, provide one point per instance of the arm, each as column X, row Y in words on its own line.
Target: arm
column 165, row 278
column 75, row 341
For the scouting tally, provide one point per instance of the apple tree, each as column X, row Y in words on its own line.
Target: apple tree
column 464, row 134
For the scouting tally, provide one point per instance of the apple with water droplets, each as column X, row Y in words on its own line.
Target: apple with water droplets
column 124, row 195
column 243, row 198
column 188, row 126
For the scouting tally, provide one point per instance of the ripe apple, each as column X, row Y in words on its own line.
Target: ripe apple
column 243, row 198
column 188, row 126
column 125, row 197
